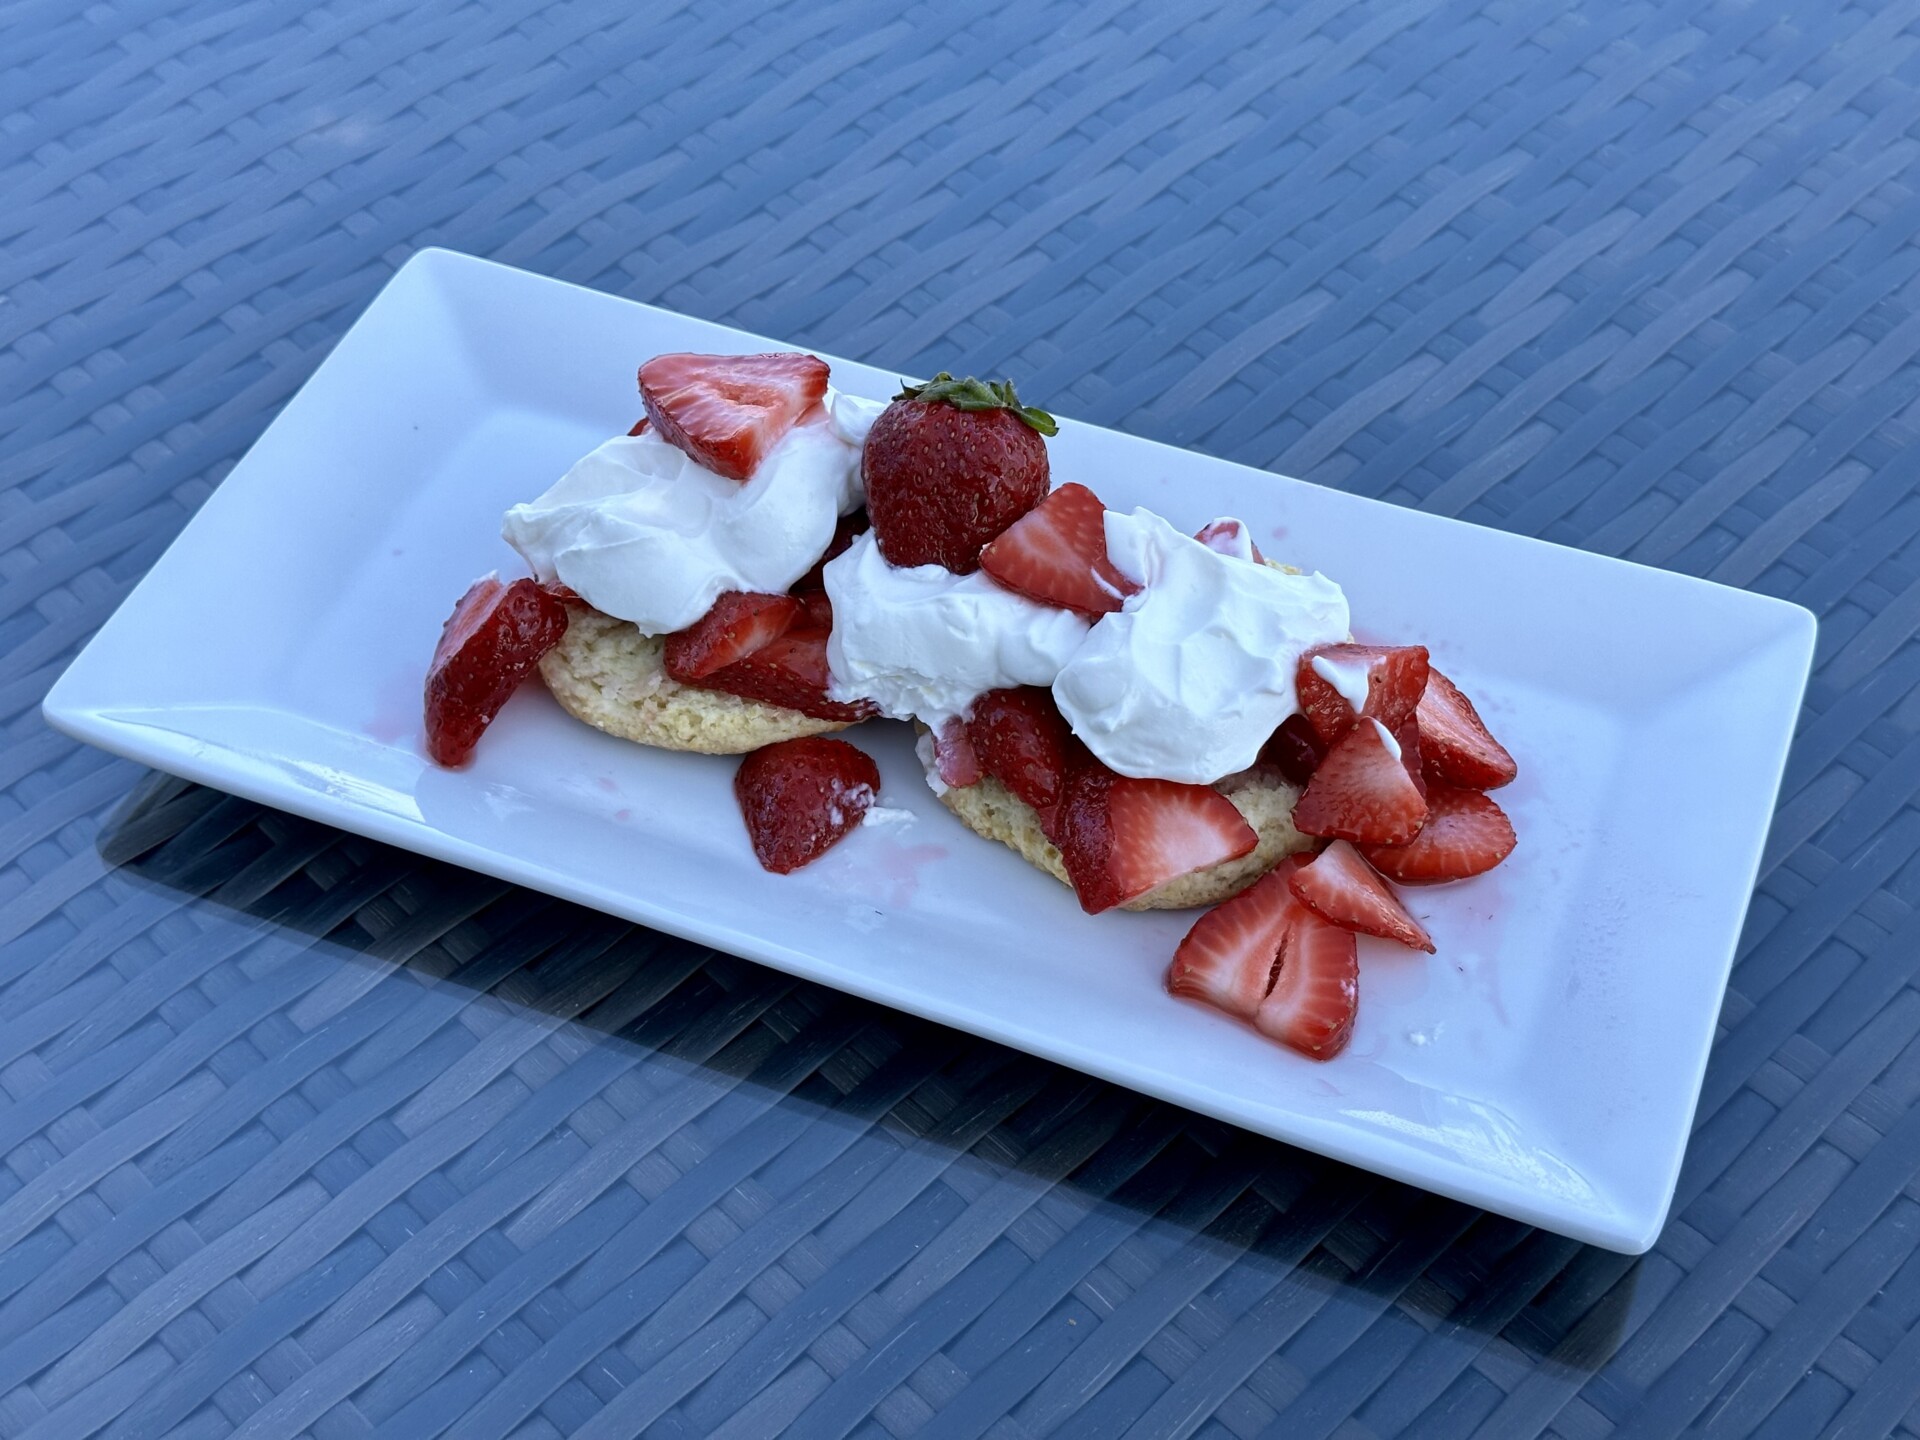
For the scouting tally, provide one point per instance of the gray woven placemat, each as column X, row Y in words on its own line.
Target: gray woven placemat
column 301, row 1135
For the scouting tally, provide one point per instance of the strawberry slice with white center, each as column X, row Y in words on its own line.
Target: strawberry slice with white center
column 1458, row 748
column 495, row 636
column 1316, row 990
column 1466, row 834
column 728, row 411
column 1342, row 889
column 739, row 623
column 1362, row 792
column 954, row 758
column 1228, row 957
column 1056, row 553
column 1339, row 683
column 1119, row 837
column 1230, row 537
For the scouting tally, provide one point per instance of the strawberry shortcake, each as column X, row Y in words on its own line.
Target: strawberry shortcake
column 1159, row 719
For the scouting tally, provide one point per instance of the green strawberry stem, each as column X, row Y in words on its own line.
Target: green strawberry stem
column 972, row 394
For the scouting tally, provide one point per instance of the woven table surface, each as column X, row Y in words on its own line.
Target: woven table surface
column 306, row 1136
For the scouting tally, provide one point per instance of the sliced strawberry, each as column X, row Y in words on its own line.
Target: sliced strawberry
column 1228, row 957
column 1022, row 742
column 1465, row 834
column 1119, row 837
column 1393, row 677
column 1056, row 553
column 1362, row 792
column 1316, row 990
column 816, row 610
column 800, row 797
column 954, row 759
column 1407, row 737
column 1230, row 537
column 1458, row 749
column 495, row 636
column 639, row 427
column 728, row 411
column 1295, row 749
column 739, row 623
column 843, row 536
column 1344, row 890
column 790, row 671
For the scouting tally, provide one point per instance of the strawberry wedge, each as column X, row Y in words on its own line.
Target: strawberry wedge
column 799, row 798
column 1342, row 889
column 1466, row 834
column 790, row 672
column 1387, row 681
column 1457, row 748
column 1316, row 990
column 1023, row 742
column 728, row 411
column 1227, row 959
column 495, row 636
column 1119, row 838
column 1362, row 792
column 954, row 759
column 739, row 623
column 1057, row 554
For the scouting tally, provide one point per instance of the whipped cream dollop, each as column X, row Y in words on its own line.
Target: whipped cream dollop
column 644, row 532
column 922, row 642
column 1188, row 680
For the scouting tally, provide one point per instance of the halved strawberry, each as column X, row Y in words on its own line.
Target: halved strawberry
column 1295, row 749
column 800, row 797
column 1022, row 742
column 1458, row 749
column 1119, row 837
column 1391, row 677
column 1316, row 990
column 1362, row 792
column 1056, row 553
column 1230, row 537
column 495, row 636
column 954, row 759
column 1465, row 834
column 728, row 411
column 790, row 671
column 1342, row 889
column 843, row 536
column 1228, row 956
column 739, row 623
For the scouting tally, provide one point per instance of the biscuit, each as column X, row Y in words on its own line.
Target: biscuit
column 608, row 674
column 990, row 810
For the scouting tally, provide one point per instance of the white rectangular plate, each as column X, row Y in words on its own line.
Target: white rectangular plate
column 1545, row 1064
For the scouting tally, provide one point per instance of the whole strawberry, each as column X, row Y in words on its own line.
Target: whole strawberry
column 948, row 466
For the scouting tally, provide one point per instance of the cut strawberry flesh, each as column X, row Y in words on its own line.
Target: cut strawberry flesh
column 791, row 672
column 492, row 641
column 1119, row 837
column 1316, row 989
column 1228, row 957
column 800, row 797
column 954, row 758
column 739, row 624
column 1022, row 742
column 1295, row 750
column 1056, row 554
column 1230, row 537
column 728, row 411
column 816, row 608
column 1342, row 889
column 1466, row 834
column 639, row 427
column 1389, row 681
column 1458, row 749
column 1362, row 792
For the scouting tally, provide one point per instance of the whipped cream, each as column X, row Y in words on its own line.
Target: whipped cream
column 920, row 641
column 644, row 532
column 1188, row 680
